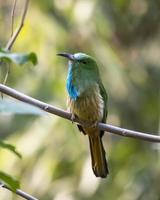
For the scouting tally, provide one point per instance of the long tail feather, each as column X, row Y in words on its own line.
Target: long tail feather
column 99, row 162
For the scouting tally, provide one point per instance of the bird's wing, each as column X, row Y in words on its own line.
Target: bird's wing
column 105, row 98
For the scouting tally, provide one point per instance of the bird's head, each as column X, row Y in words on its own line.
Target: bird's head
column 81, row 61
column 82, row 73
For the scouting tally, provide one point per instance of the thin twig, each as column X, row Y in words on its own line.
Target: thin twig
column 12, row 16
column 16, row 33
column 56, row 111
column 6, row 76
column 19, row 192
column 7, row 73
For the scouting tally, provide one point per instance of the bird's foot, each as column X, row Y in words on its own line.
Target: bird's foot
column 94, row 124
column 73, row 117
column 89, row 124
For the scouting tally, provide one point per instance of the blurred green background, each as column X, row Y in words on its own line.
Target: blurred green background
column 124, row 37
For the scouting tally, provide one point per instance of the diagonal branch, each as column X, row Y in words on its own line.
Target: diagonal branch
column 19, row 192
column 16, row 33
column 56, row 111
column 12, row 16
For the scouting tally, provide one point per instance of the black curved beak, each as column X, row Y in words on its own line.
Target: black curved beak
column 66, row 55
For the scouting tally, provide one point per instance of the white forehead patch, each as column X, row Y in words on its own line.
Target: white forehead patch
column 79, row 55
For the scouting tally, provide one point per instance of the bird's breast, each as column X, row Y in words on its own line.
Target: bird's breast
column 89, row 105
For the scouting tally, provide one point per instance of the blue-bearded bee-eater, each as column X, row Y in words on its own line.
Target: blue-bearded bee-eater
column 87, row 100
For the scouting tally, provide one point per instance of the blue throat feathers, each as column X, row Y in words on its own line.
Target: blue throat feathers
column 72, row 91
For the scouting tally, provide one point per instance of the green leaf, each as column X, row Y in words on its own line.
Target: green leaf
column 9, row 181
column 10, row 148
column 15, row 107
column 18, row 58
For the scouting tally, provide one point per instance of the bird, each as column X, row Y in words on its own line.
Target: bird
column 87, row 100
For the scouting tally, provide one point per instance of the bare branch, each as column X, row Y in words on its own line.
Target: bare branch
column 7, row 73
column 56, row 111
column 12, row 16
column 16, row 33
column 6, row 76
column 19, row 192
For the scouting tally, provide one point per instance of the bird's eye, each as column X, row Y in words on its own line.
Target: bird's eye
column 84, row 62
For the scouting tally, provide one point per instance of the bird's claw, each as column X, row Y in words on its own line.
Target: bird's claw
column 94, row 124
column 90, row 124
column 72, row 118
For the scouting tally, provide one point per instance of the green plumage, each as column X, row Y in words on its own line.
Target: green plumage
column 88, row 101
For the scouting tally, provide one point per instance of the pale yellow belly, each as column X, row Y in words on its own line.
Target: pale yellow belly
column 89, row 108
